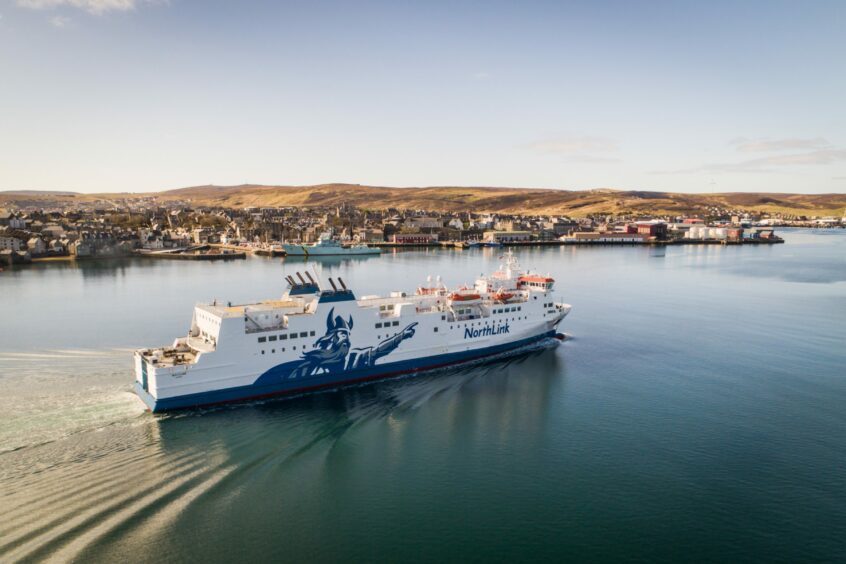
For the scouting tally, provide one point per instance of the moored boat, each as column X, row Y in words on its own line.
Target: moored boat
column 326, row 246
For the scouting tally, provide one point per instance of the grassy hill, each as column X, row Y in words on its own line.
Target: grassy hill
column 455, row 199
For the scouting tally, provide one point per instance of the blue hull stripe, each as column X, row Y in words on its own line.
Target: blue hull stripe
column 328, row 381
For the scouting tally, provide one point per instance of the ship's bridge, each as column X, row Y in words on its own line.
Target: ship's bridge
column 535, row 282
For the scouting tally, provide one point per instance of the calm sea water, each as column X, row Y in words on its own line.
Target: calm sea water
column 697, row 413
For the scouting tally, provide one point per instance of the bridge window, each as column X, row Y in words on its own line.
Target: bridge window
column 311, row 333
column 283, row 336
column 272, row 338
column 395, row 323
column 304, row 334
column 378, row 326
column 262, row 340
column 293, row 335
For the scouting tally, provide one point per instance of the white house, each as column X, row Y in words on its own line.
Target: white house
column 36, row 246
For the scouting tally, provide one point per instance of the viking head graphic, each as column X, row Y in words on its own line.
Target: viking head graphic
column 330, row 352
column 337, row 333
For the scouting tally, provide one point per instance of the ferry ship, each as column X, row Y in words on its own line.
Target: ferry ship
column 327, row 246
column 317, row 337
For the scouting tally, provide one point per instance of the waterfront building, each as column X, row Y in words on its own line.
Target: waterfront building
column 607, row 237
column 508, row 236
column 11, row 244
column 414, row 238
column 653, row 228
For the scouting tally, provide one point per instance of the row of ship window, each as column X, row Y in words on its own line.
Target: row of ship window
column 465, row 311
column 507, row 309
column 282, row 349
column 284, row 336
column 460, row 326
column 387, row 324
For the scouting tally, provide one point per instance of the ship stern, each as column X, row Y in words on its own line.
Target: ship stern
column 145, row 374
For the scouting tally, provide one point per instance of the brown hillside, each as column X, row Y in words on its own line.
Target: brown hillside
column 455, row 199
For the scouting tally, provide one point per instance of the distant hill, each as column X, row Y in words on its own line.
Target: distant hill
column 37, row 193
column 457, row 199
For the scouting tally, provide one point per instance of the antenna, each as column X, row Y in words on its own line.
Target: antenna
column 316, row 275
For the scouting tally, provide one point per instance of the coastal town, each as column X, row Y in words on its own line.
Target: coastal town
column 121, row 229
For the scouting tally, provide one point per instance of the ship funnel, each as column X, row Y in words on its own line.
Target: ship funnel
column 344, row 286
column 332, row 282
column 300, row 276
column 310, row 278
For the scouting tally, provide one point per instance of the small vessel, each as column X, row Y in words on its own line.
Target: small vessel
column 327, row 246
column 321, row 337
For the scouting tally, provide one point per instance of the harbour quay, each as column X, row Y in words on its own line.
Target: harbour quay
column 127, row 228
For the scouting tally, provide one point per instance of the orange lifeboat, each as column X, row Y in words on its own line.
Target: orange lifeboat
column 464, row 296
column 501, row 296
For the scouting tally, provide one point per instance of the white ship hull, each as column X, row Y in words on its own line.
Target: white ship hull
column 315, row 338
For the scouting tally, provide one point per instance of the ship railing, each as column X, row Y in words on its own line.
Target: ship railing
column 200, row 344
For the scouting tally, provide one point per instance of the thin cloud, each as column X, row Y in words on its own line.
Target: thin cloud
column 591, row 159
column 577, row 149
column 572, row 145
column 96, row 7
column 60, row 21
column 767, row 145
column 767, row 164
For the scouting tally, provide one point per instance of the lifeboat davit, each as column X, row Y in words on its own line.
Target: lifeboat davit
column 501, row 296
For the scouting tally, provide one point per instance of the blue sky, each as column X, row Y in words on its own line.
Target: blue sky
column 142, row 95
